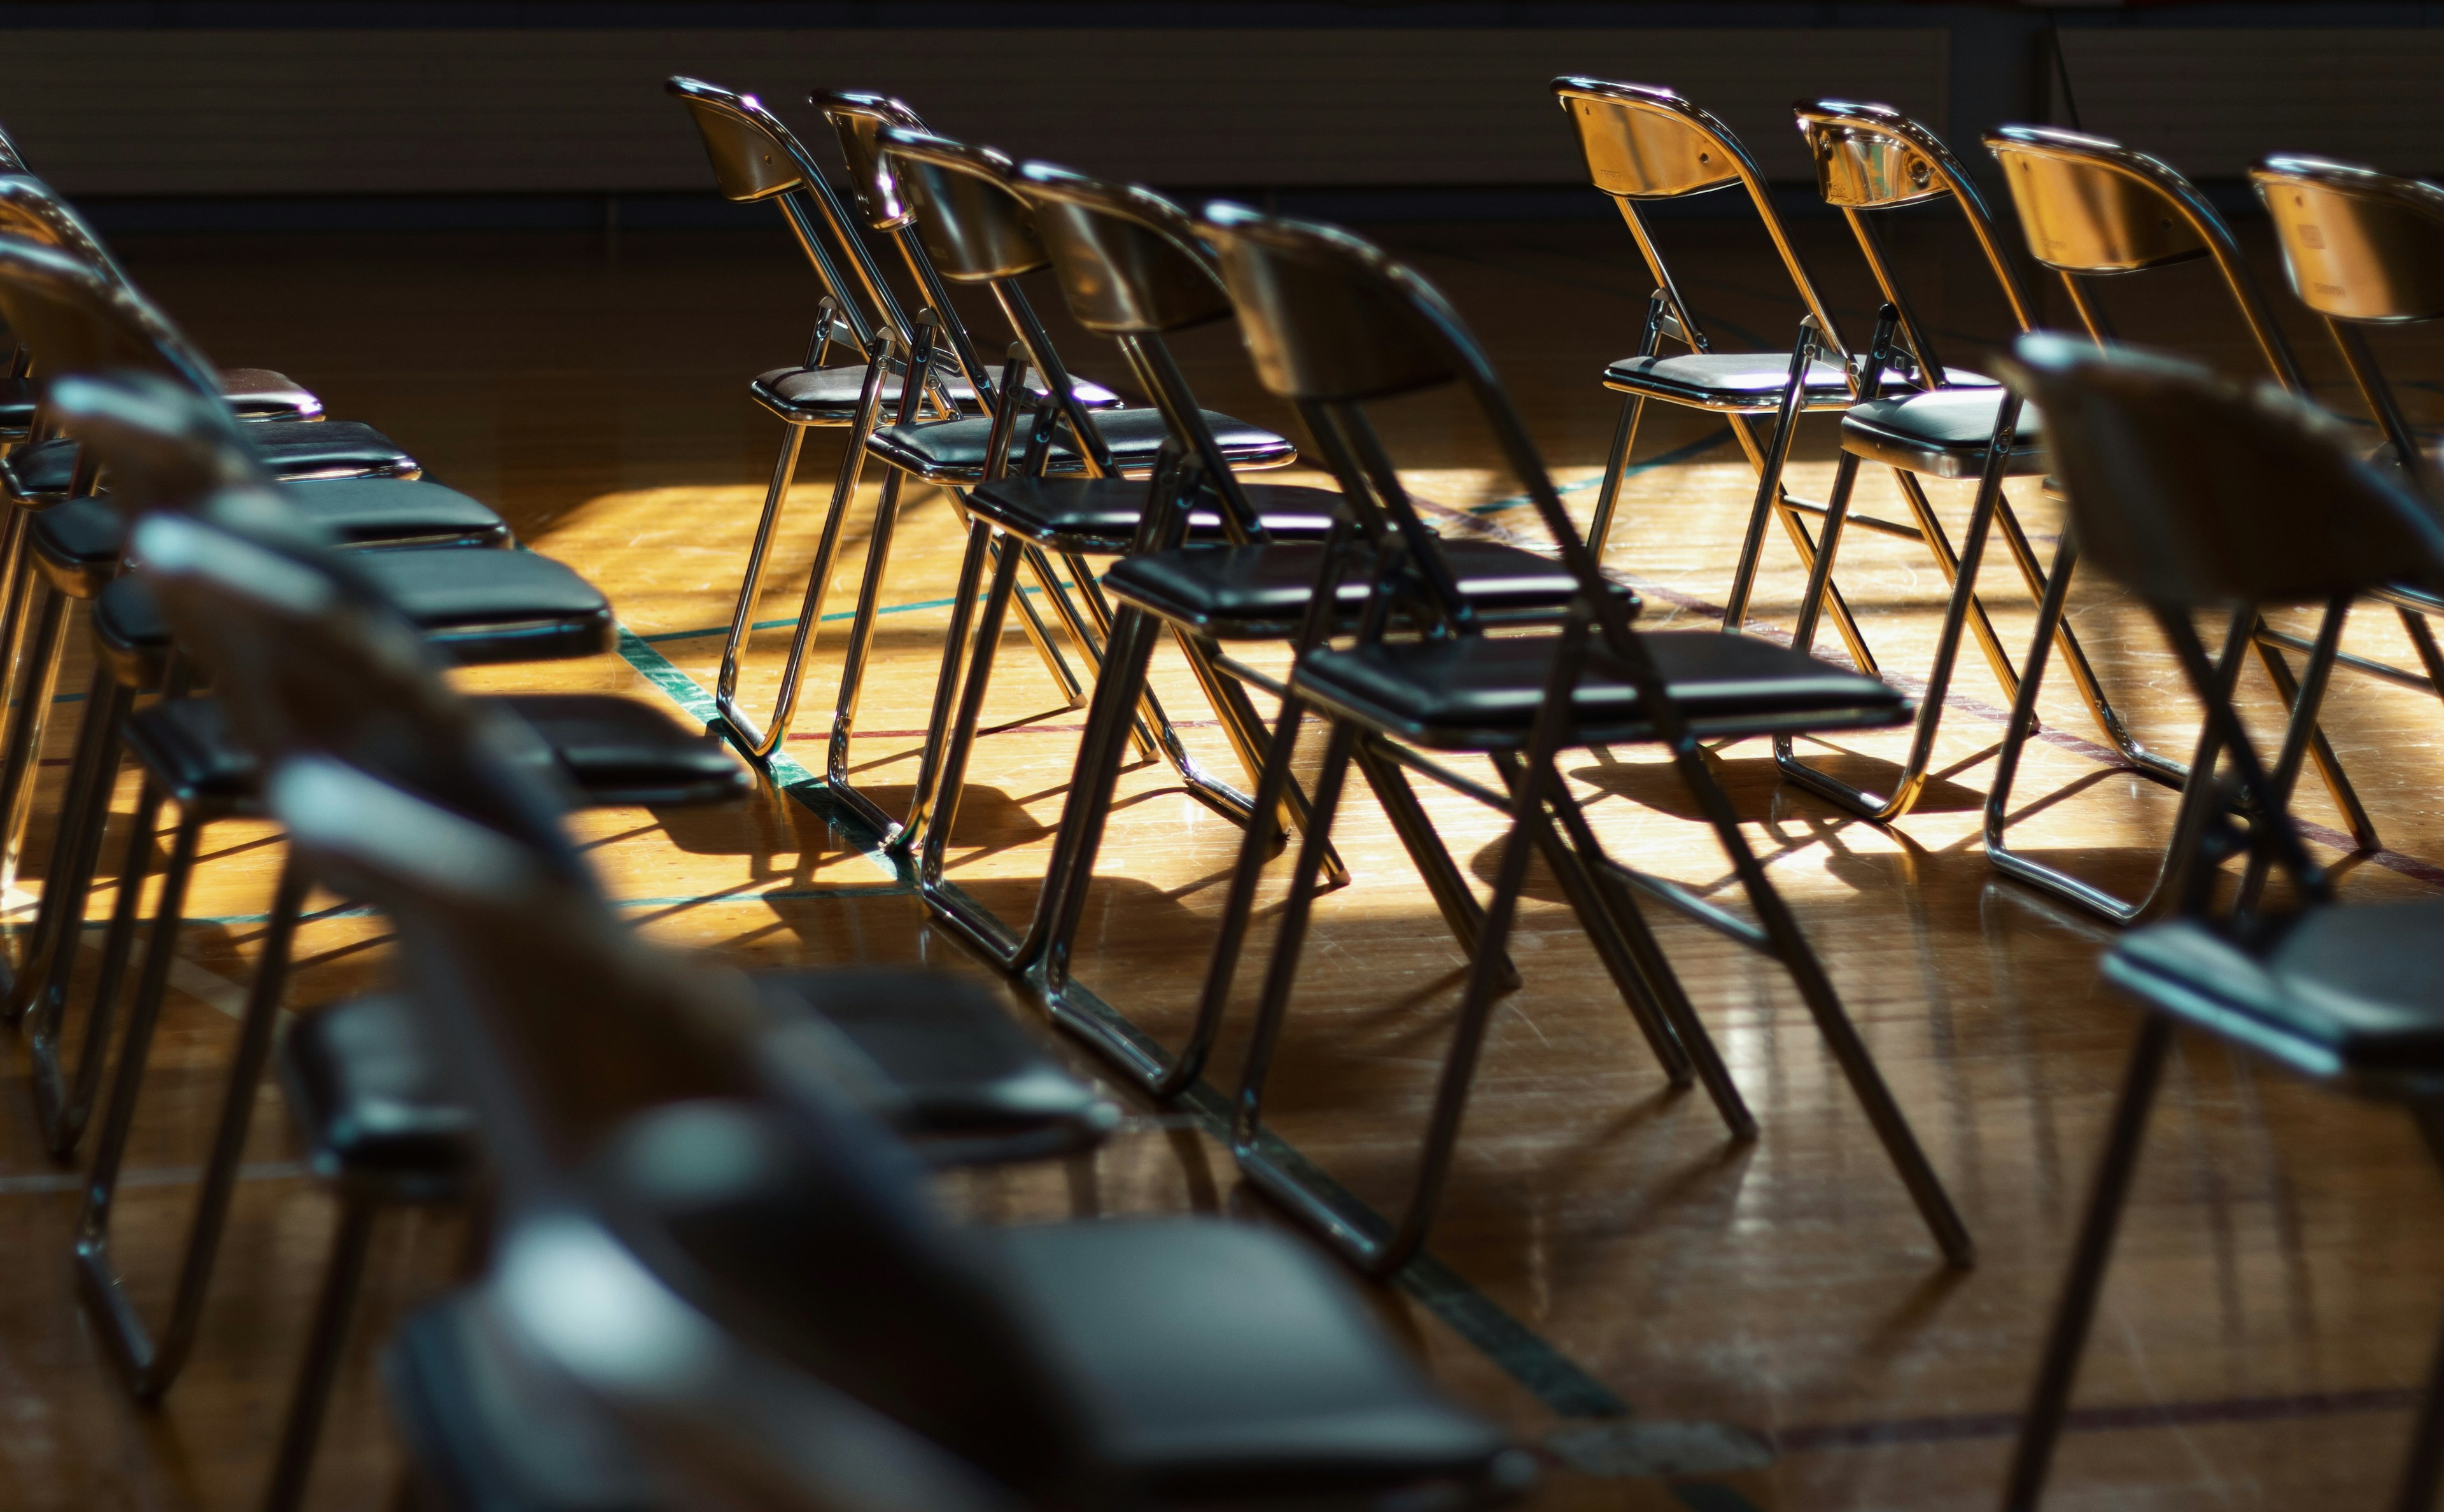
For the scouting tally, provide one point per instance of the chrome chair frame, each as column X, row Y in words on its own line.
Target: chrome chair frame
column 726, row 118
column 1642, row 143
column 2155, row 547
column 1283, row 275
column 1871, row 159
column 2091, row 208
column 975, row 231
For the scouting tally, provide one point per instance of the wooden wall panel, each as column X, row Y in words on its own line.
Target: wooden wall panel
column 254, row 112
column 2212, row 101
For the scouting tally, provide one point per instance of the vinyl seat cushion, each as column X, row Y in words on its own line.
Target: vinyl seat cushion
column 1748, row 381
column 1274, row 1380
column 477, row 607
column 1101, row 515
column 288, row 450
column 970, row 1084
column 2344, row 988
column 613, row 751
column 77, row 543
column 829, row 396
column 1483, row 691
column 373, row 1099
column 954, row 451
column 253, row 393
column 1263, row 591
column 1943, row 434
column 491, row 1429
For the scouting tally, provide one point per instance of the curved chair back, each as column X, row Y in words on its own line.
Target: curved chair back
column 756, row 156
column 165, row 445
column 2359, row 245
column 11, row 161
column 1641, row 144
column 75, row 318
column 970, row 220
column 2090, row 208
column 2200, row 491
column 1128, row 260
column 30, row 208
column 1872, row 158
column 805, row 1228
column 859, row 119
column 2361, row 248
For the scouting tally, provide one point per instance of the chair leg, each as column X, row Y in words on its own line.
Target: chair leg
column 1624, row 442
column 151, row 1366
column 2321, row 750
column 63, row 1108
column 1957, row 615
column 85, row 813
column 899, row 835
column 323, row 1348
column 1047, row 582
column 729, row 720
column 1461, row 913
column 986, row 930
column 2059, row 1368
column 22, row 756
column 859, row 650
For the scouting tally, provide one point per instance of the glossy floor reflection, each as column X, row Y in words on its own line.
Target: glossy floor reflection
column 1609, row 1276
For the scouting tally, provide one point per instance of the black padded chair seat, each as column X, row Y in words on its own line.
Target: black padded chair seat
column 1471, row 692
column 260, row 394
column 829, row 396
column 969, row 1083
column 1943, row 434
column 2355, row 987
column 1099, row 515
column 288, row 450
column 477, row 607
column 489, row 1429
column 1237, row 593
column 613, row 751
column 374, row 1101
column 954, row 451
column 1747, row 381
column 77, row 543
column 1222, row 1363
column 253, row 393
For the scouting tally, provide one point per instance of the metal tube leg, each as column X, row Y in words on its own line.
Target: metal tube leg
column 2051, row 1400
column 75, row 848
column 323, row 1351
column 750, row 585
column 2321, row 750
column 151, row 1366
column 899, row 834
column 1417, row 836
column 860, row 636
column 989, row 933
column 1624, row 440
column 66, row 1108
column 26, row 721
column 1031, row 620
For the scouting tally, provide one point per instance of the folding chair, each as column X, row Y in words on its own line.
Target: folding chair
column 1334, row 325
column 2202, row 496
column 972, row 195
column 1644, row 144
column 1869, row 160
column 1132, row 268
column 2094, row 209
column 756, row 156
column 976, row 232
column 834, row 1337
column 311, row 658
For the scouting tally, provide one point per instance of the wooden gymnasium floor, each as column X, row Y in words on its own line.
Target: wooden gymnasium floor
column 1680, row 1322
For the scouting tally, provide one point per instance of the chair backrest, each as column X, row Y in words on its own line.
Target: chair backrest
column 859, row 118
column 11, row 161
column 2200, row 491
column 2358, row 245
column 1872, row 158
column 1646, row 143
column 805, row 1228
column 1332, row 323
column 165, row 446
column 30, row 209
column 77, row 319
column 2092, row 208
column 756, row 156
column 968, row 215
column 1128, row 261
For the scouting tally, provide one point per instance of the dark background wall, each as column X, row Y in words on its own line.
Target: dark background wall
column 448, row 111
